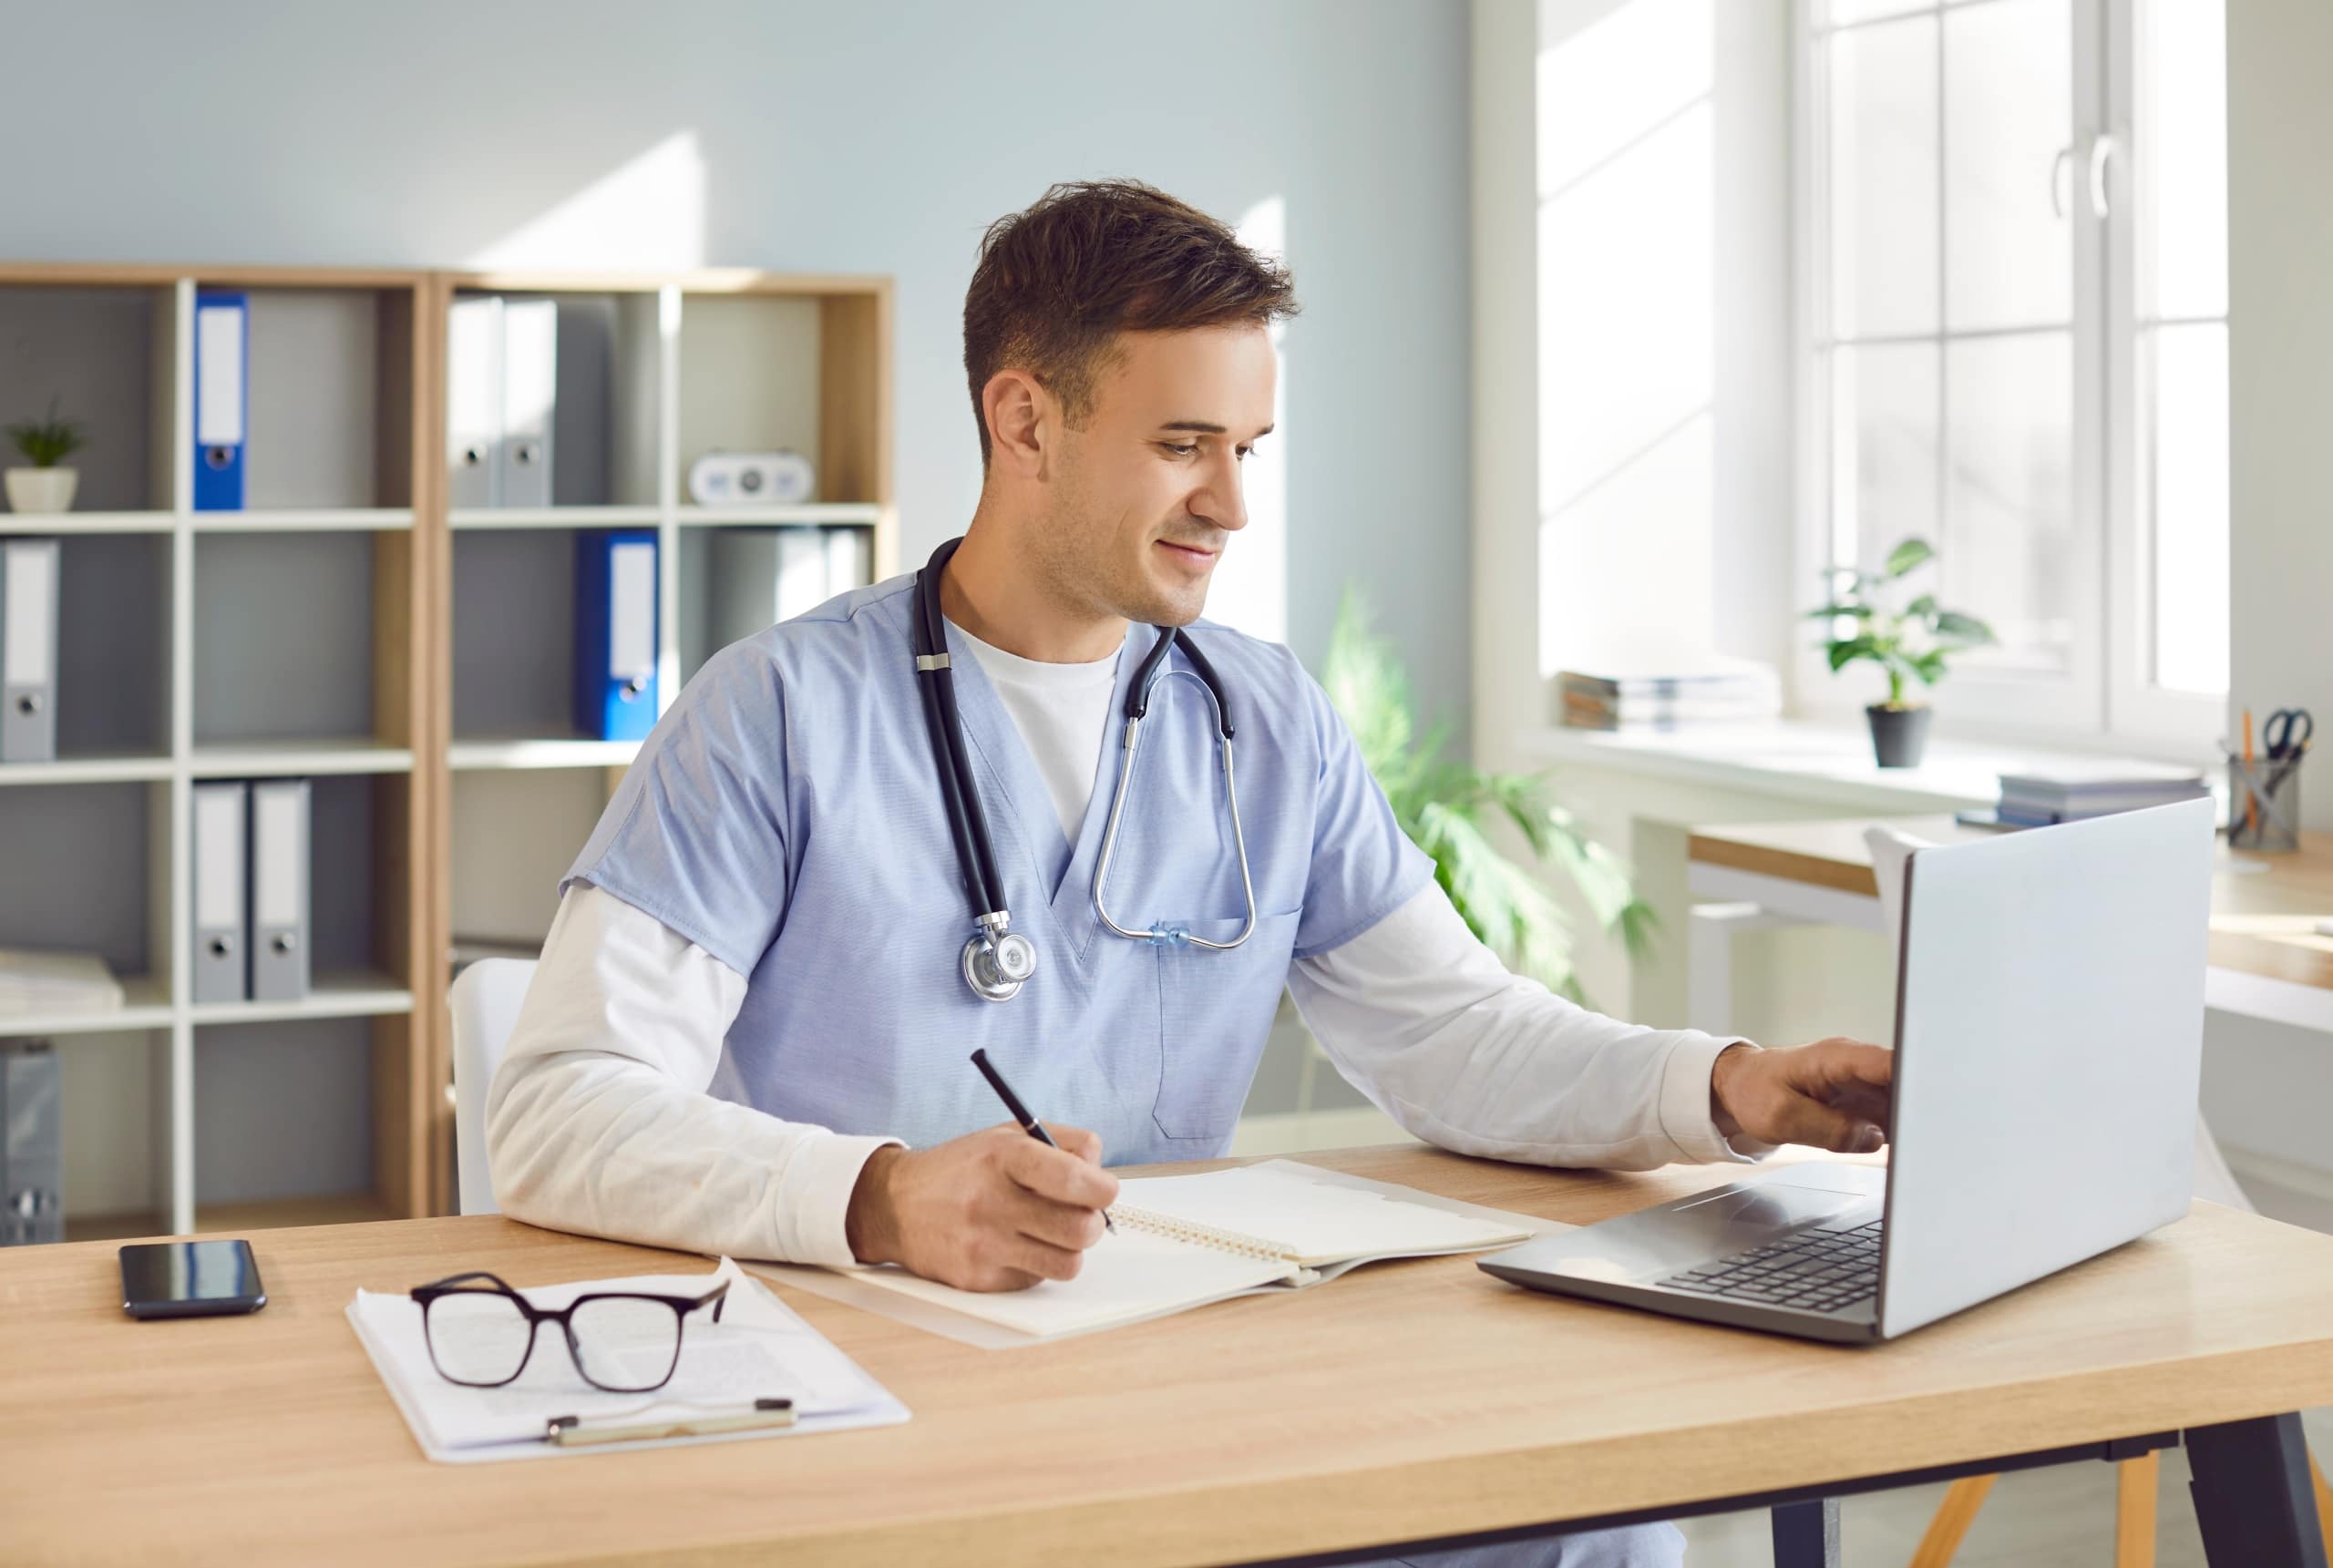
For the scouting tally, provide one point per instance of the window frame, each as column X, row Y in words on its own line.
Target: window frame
column 2107, row 695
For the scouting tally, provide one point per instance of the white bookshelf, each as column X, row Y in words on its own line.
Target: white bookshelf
column 338, row 395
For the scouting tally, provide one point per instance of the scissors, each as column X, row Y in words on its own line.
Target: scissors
column 2287, row 731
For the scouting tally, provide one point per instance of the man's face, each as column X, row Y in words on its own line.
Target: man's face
column 1147, row 493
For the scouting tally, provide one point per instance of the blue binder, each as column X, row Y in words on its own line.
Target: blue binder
column 615, row 633
column 222, row 397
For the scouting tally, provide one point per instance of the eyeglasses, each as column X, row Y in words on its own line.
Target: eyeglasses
column 481, row 1334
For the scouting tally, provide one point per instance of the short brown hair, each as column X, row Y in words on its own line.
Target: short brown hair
column 1057, row 283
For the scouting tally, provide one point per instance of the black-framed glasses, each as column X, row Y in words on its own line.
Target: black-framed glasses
column 480, row 1332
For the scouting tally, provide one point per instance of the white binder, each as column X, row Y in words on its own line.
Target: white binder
column 473, row 401
column 221, row 972
column 850, row 558
column 28, row 572
column 530, row 392
column 280, row 890
column 764, row 576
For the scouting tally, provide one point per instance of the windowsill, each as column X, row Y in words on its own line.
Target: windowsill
column 1828, row 764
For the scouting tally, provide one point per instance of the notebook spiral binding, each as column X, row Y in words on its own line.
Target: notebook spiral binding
column 1197, row 1234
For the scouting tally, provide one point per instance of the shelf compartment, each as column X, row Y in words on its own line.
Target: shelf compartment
column 606, row 402
column 90, row 864
column 283, row 1109
column 113, row 647
column 108, row 355
column 283, row 640
column 515, row 833
column 330, row 385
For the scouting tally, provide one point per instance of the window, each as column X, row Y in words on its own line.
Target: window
column 2016, row 293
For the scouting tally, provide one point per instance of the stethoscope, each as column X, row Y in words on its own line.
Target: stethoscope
column 997, row 959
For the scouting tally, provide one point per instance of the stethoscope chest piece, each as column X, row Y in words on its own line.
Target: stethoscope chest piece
column 997, row 966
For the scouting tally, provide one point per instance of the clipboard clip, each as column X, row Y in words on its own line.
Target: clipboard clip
column 569, row 1433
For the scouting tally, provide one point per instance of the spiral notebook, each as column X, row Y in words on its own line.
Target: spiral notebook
column 1185, row 1241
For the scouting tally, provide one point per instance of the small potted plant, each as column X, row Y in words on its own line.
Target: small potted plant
column 1912, row 643
column 46, row 442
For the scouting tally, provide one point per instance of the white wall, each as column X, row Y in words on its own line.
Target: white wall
column 2280, row 367
column 1633, row 320
column 877, row 138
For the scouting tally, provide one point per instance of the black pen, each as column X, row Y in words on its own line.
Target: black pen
column 1029, row 1124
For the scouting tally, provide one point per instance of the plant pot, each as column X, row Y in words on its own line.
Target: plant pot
column 41, row 489
column 1898, row 735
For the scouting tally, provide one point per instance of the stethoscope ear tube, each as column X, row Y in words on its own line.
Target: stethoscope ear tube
column 997, row 961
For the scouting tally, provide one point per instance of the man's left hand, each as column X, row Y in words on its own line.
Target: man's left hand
column 1832, row 1094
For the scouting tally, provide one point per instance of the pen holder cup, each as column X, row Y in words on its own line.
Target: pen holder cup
column 2263, row 804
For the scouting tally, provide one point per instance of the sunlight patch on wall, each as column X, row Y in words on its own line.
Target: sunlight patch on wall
column 648, row 213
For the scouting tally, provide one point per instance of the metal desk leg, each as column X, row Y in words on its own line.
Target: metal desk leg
column 1806, row 1534
column 2253, row 1496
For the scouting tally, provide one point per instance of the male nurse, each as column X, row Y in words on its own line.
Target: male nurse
column 749, row 1028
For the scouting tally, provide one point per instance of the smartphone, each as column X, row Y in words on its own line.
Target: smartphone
column 189, row 1279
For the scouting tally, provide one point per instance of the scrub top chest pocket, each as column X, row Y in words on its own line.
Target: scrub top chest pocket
column 1215, row 1011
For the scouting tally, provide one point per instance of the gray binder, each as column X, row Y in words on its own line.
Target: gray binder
column 221, row 962
column 279, row 890
column 28, row 570
column 473, row 401
column 529, row 373
column 32, row 1144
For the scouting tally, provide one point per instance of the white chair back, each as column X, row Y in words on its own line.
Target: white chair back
column 1889, row 850
column 484, row 999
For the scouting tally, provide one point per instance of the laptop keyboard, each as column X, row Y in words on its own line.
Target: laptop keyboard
column 1821, row 1270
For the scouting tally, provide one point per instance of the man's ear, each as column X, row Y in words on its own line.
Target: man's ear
column 1022, row 418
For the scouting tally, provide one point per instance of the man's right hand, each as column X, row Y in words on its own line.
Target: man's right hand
column 991, row 1211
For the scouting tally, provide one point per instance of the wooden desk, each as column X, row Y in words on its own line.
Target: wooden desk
column 1407, row 1401
column 2267, row 958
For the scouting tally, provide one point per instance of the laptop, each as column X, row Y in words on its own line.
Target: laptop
column 2049, row 1030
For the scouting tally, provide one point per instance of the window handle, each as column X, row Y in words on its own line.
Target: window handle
column 2101, row 148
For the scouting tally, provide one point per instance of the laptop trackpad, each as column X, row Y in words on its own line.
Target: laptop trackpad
column 1661, row 1240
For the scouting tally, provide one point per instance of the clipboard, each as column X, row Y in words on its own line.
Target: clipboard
column 762, row 1372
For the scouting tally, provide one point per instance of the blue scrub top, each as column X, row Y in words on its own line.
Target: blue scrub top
column 785, row 816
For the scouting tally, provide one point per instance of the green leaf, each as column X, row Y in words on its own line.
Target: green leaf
column 1965, row 628
column 1447, row 808
column 1854, row 648
column 1923, row 609
column 1904, row 557
column 1832, row 612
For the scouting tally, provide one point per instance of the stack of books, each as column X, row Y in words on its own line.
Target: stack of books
column 1721, row 692
column 49, row 983
column 2070, row 791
